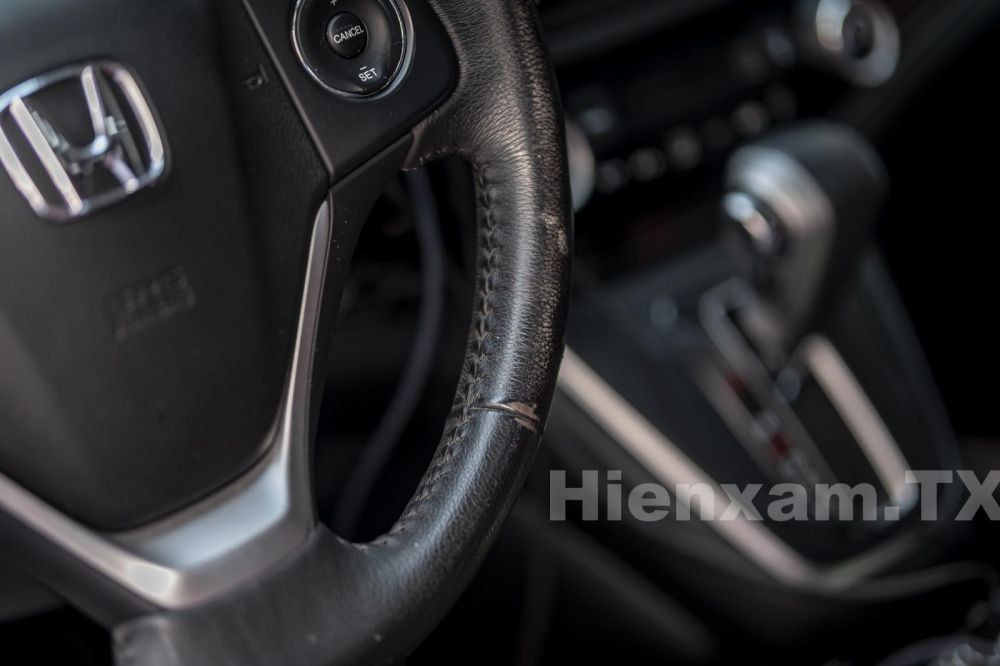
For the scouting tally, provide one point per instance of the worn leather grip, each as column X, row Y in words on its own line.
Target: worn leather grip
column 340, row 603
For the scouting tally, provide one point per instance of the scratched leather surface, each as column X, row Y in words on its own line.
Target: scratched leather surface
column 505, row 119
column 339, row 603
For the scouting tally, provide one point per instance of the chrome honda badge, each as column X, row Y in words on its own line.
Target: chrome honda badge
column 80, row 139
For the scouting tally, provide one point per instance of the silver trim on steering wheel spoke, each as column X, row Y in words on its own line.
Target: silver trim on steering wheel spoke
column 227, row 538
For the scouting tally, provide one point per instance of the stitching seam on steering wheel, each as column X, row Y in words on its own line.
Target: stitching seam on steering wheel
column 475, row 377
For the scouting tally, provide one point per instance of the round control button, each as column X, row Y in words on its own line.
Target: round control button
column 859, row 33
column 354, row 48
column 347, row 35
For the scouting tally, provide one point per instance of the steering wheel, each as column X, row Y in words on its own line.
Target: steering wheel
column 187, row 184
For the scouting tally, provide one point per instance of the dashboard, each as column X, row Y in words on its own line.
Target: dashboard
column 659, row 93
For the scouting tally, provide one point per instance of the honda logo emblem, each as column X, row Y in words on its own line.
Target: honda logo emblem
column 80, row 139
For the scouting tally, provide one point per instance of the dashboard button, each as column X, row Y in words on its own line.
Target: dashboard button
column 347, row 35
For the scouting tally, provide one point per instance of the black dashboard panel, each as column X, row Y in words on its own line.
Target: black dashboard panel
column 662, row 93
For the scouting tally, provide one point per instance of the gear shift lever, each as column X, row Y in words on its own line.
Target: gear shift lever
column 799, row 204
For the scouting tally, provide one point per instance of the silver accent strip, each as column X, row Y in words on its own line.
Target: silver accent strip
column 671, row 467
column 228, row 538
column 862, row 419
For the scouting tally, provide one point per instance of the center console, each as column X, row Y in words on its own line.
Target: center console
column 738, row 329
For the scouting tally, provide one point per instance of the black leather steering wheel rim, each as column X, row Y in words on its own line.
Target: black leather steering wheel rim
column 333, row 602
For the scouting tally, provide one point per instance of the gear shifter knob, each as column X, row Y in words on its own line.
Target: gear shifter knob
column 799, row 205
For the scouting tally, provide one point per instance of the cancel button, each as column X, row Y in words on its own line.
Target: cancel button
column 347, row 35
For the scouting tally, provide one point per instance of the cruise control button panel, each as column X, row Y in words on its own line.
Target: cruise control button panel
column 350, row 47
